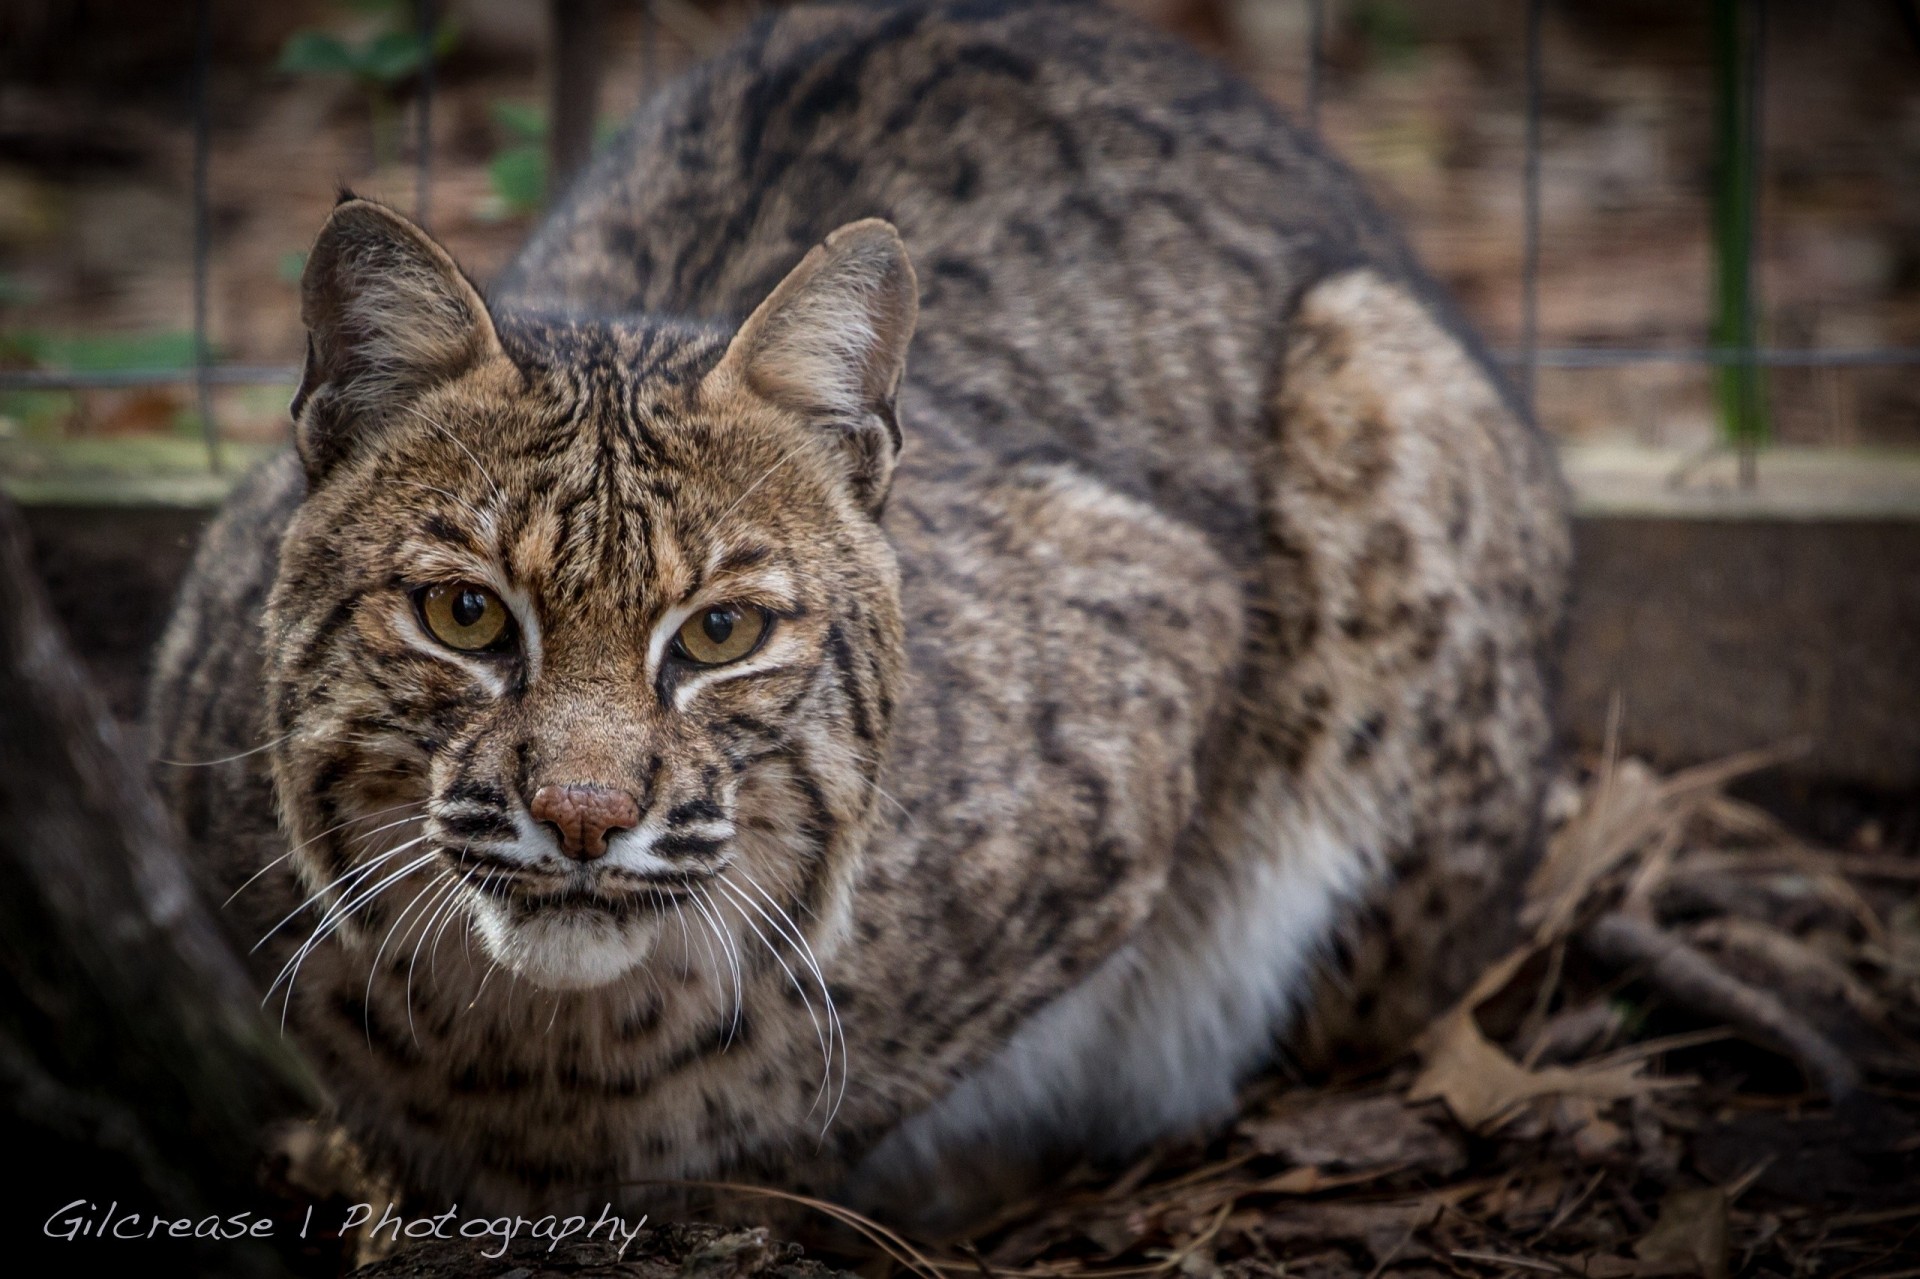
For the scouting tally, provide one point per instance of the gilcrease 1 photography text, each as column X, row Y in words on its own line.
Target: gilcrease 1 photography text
column 85, row 1220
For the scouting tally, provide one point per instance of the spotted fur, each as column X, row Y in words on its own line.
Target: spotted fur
column 1159, row 649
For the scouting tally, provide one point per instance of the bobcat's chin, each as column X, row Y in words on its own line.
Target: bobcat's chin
column 560, row 948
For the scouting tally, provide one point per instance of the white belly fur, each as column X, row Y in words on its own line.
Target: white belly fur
column 1157, row 1040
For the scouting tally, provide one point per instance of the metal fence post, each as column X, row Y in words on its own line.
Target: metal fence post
column 579, row 32
column 1316, row 36
column 423, row 116
column 202, row 224
column 1739, row 34
column 1530, row 248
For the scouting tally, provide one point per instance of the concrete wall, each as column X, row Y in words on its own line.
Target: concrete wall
column 1724, row 635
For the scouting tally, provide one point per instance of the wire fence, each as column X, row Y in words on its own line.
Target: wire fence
column 575, row 26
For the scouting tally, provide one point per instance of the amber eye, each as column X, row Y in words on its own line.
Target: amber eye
column 464, row 616
column 723, row 633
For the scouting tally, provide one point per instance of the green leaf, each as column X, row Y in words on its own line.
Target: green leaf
column 37, row 415
column 391, row 58
column 1390, row 28
column 316, row 53
column 445, row 37
column 16, row 292
column 520, row 177
column 524, row 123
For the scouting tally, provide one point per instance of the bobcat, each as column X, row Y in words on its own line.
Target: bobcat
column 964, row 588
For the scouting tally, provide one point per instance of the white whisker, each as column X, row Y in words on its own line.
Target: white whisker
column 452, row 497
column 335, row 918
column 224, row 759
column 378, row 812
column 461, row 445
column 354, row 873
column 733, row 965
column 442, row 906
column 819, row 1034
column 373, row 968
column 793, row 932
column 786, row 457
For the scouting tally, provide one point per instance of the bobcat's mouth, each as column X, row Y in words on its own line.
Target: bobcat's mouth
column 575, row 929
column 660, row 858
column 568, row 922
column 609, row 890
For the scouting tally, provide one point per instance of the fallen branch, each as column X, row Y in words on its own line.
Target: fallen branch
column 1691, row 978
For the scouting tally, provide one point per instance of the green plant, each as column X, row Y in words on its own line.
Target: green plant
column 377, row 63
column 166, row 349
column 35, row 415
column 1389, row 29
column 44, row 414
column 518, row 170
column 15, row 292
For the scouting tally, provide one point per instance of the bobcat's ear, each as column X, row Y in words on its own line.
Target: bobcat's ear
column 830, row 343
column 388, row 315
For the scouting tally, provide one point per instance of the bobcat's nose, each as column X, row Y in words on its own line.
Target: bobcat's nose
column 584, row 815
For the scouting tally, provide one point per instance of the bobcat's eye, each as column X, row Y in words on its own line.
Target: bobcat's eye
column 464, row 616
column 721, row 634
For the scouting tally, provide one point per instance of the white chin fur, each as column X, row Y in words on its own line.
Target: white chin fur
column 568, row 950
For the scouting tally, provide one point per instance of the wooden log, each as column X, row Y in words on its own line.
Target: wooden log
column 135, row 1065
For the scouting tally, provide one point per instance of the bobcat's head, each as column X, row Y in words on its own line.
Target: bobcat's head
column 584, row 621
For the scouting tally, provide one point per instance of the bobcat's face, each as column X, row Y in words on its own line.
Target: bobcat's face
column 589, row 634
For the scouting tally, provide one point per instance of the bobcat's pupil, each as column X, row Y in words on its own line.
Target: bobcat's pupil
column 469, row 607
column 718, row 624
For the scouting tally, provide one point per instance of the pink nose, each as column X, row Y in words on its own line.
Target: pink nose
column 583, row 816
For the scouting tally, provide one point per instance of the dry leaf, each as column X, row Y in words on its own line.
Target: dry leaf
column 1690, row 1234
column 1354, row 1132
column 148, row 411
column 1296, row 1181
column 1482, row 1086
column 1593, row 1135
column 1604, row 1267
column 1903, row 943
column 1387, row 1231
column 1623, row 810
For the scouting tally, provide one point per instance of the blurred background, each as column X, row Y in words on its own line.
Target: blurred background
column 1692, row 230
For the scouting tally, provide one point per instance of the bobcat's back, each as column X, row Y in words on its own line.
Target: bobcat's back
column 1109, row 230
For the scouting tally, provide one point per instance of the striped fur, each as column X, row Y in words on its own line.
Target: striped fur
column 1158, row 665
